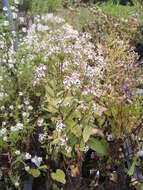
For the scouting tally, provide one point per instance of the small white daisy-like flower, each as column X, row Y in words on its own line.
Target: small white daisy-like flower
column 5, row 9
column 20, row 106
column 24, row 30
column 13, row 8
column 21, row 19
column 37, row 160
column 5, row 139
column 20, row 94
column 68, row 149
column 30, row 108
column 26, row 102
column 16, row 184
column 2, row 108
column 3, row 131
column 11, row 114
column 40, row 122
column 16, row 2
column 10, row 65
column 3, row 123
column 94, row 106
column 14, row 15
column 59, row 125
column 86, row 148
column 17, row 152
column 13, row 128
column 19, row 126
column 6, row 23
column 24, row 114
column 11, row 107
column 27, row 168
column 41, row 137
column 27, row 156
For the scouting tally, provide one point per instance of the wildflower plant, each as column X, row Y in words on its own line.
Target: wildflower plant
column 49, row 88
column 53, row 105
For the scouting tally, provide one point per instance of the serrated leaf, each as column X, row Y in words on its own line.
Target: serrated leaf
column 97, row 145
column 59, row 176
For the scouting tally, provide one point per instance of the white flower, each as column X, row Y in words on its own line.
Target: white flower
column 16, row 2
column 20, row 106
column 24, row 30
column 11, row 114
column 19, row 126
column 10, row 65
column 86, row 148
column 17, row 152
column 14, row 15
column 40, row 122
column 59, row 125
column 27, row 156
column 37, row 160
column 20, row 94
column 26, row 102
column 13, row 128
column 5, row 139
column 140, row 153
column 27, row 168
column 11, row 107
column 6, row 23
column 0, row 78
column 5, row 9
column 2, row 108
column 21, row 19
column 13, row 8
column 98, row 173
column 3, row 131
column 16, row 184
column 30, row 108
column 3, row 123
column 68, row 149
column 94, row 106
column 41, row 137
column 24, row 114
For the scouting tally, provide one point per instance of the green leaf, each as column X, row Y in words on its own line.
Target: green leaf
column 76, row 130
column 34, row 172
column 59, row 176
column 50, row 91
column 97, row 145
column 131, row 170
column 51, row 109
column 86, row 133
column 38, row 94
column 43, row 168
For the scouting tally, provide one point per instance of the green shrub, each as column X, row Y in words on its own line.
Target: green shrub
column 45, row 5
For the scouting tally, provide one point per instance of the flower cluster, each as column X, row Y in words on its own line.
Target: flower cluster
column 81, row 62
column 39, row 73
